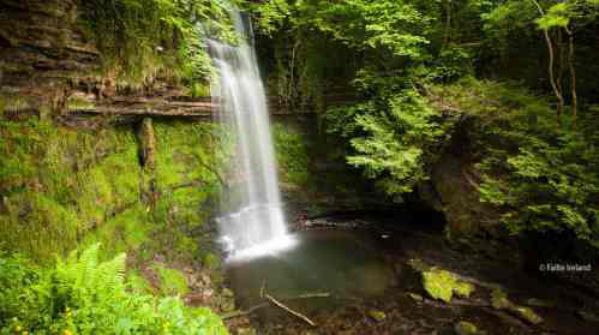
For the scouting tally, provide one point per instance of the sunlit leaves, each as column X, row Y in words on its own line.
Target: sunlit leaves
column 398, row 143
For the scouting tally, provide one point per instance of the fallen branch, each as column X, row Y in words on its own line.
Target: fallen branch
column 289, row 310
column 271, row 300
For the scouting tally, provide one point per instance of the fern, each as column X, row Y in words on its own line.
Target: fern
column 83, row 295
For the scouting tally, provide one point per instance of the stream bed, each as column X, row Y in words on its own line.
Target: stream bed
column 359, row 281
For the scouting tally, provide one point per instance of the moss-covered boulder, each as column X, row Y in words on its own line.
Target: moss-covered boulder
column 467, row 328
column 443, row 285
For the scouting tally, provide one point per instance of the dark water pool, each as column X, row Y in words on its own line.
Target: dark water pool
column 332, row 266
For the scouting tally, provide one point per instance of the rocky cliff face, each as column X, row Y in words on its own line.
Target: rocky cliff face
column 48, row 65
column 44, row 54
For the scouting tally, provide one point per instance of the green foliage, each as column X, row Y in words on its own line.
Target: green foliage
column 499, row 300
column 292, row 155
column 395, row 139
column 441, row 284
column 541, row 176
column 62, row 187
column 188, row 164
column 562, row 14
column 270, row 14
column 84, row 295
column 392, row 25
column 140, row 40
column 172, row 281
column 556, row 16
column 58, row 183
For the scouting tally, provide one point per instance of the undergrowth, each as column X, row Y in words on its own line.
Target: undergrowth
column 84, row 295
column 540, row 175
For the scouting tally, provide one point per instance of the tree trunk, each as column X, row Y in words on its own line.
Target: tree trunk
column 572, row 70
column 561, row 51
column 550, row 51
column 447, row 23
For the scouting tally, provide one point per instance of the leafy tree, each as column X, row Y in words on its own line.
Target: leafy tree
column 538, row 176
column 552, row 18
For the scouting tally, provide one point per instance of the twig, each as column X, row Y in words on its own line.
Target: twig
column 309, row 296
column 266, row 304
column 289, row 310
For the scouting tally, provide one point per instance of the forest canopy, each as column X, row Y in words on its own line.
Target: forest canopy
column 423, row 71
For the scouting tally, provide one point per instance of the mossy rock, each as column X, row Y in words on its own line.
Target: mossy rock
column 467, row 328
column 499, row 300
column 528, row 314
column 80, row 103
column 442, row 284
column 377, row 315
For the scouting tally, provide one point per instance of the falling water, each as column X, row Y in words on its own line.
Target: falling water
column 254, row 224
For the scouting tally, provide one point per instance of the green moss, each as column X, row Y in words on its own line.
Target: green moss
column 292, row 155
column 124, row 232
column 78, row 103
column 61, row 181
column 141, row 40
column 528, row 314
column 211, row 261
column 83, row 186
column 13, row 103
column 200, row 90
column 499, row 300
column 441, row 284
column 172, row 281
column 37, row 225
column 466, row 328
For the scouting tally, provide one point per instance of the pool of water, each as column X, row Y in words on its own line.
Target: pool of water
column 325, row 269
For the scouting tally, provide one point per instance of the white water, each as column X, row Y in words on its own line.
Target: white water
column 256, row 225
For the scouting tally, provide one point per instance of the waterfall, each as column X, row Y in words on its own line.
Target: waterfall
column 254, row 223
